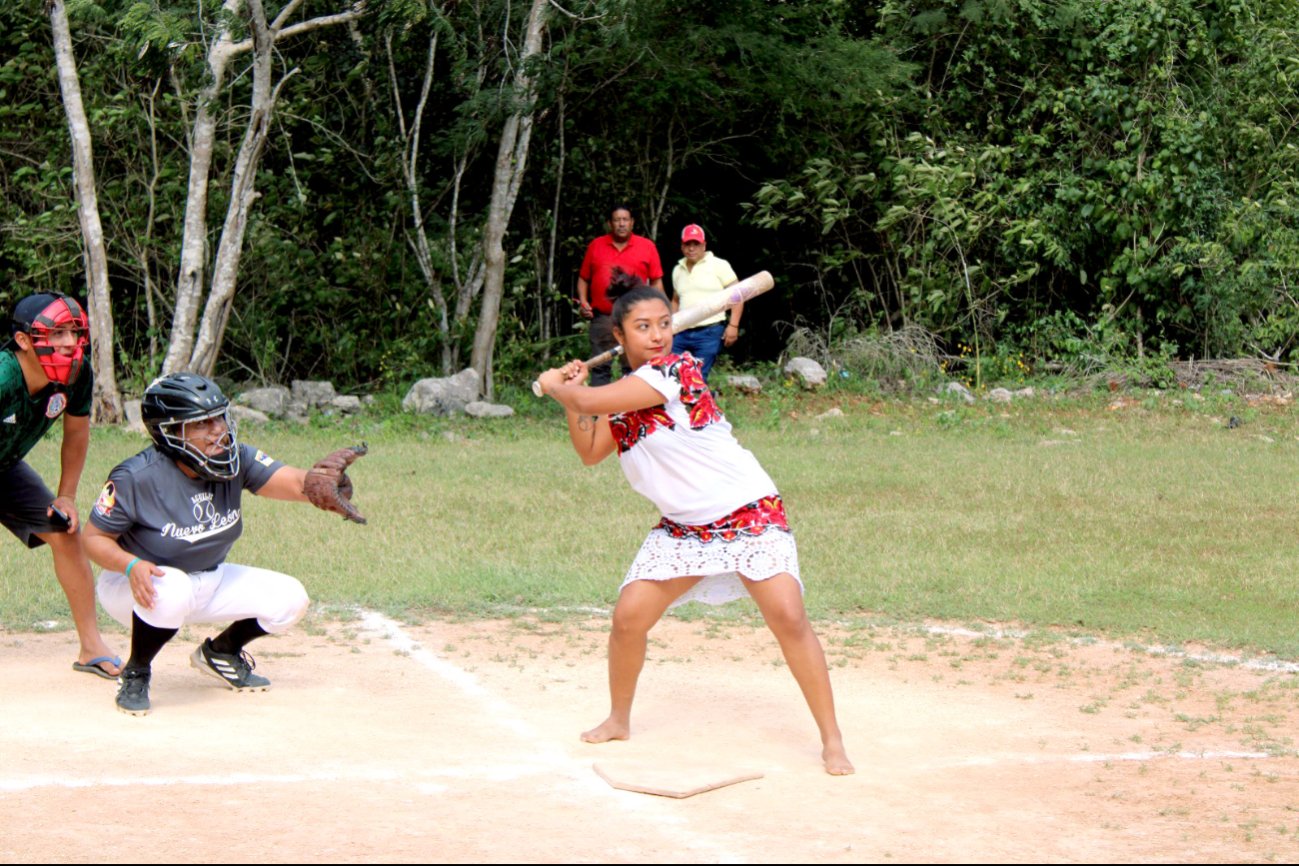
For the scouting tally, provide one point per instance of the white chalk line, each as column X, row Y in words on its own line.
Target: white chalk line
column 548, row 760
column 501, row 711
column 502, row 773
column 1117, row 757
column 1261, row 664
column 1273, row 665
column 555, row 760
column 378, row 622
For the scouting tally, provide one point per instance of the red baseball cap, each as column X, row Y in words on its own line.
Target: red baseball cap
column 692, row 232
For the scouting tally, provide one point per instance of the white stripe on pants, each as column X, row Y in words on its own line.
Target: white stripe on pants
column 225, row 594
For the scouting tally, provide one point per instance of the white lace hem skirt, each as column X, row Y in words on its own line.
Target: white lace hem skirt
column 663, row 557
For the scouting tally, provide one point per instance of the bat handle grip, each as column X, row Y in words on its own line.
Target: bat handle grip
column 536, row 388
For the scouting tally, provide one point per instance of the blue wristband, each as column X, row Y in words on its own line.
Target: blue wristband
column 129, row 566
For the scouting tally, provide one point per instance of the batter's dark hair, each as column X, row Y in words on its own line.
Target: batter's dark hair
column 617, row 206
column 626, row 291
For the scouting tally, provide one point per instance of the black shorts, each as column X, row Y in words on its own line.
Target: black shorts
column 24, row 499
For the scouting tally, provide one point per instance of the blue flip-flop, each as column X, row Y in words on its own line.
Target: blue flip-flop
column 93, row 666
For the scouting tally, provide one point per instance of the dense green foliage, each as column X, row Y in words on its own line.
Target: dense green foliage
column 1118, row 172
column 1040, row 176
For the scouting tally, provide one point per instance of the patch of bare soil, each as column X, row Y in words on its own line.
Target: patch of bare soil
column 458, row 742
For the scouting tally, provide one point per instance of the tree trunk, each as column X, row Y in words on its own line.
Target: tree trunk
column 193, row 254
column 411, row 138
column 183, row 351
column 511, row 163
column 243, row 192
column 546, row 308
column 193, row 248
column 107, row 402
column 146, row 248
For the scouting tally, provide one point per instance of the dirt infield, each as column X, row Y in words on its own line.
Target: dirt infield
column 457, row 742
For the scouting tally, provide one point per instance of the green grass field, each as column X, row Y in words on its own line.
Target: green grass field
column 1152, row 522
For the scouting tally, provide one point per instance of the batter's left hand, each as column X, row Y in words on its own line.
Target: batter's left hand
column 575, row 372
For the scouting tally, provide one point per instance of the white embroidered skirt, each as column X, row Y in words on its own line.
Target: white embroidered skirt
column 721, row 562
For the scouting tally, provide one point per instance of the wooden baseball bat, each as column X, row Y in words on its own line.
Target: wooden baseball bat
column 735, row 293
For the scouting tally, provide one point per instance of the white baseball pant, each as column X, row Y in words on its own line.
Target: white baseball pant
column 225, row 594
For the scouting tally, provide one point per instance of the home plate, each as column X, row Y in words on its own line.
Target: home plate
column 676, row 782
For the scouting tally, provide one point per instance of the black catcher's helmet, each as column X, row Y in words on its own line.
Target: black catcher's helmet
column 173, row 401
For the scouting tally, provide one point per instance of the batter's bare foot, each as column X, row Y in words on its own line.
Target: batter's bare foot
column 607, row 730
column 836, row 760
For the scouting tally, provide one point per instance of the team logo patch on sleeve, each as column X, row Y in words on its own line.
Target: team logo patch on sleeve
column 57, row 404
column 263, row 458
column 107, row 499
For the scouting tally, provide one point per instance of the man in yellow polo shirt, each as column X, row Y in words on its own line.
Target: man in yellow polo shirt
column 698, row 278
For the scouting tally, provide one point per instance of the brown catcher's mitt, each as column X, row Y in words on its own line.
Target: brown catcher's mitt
column 327, row 485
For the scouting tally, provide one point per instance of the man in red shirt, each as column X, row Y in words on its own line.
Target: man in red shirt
column 620, row 248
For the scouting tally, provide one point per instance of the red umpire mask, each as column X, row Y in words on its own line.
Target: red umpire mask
column 55, row 323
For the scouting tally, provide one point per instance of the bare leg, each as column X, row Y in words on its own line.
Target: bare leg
column 73, row 571
column 639, row 607
column 781, row 604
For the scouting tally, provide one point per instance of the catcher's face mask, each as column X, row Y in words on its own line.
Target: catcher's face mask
column 189, row 420
column 59, row 334
column 208, row 445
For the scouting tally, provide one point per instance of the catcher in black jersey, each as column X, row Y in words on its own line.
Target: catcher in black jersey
column 166, row 519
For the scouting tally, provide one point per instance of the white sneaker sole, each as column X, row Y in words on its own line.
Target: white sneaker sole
column 144, row 712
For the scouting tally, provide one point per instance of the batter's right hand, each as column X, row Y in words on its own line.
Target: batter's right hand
column 549, row 380
column 585, row 309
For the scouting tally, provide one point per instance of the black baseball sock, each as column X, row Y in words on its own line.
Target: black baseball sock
column 237, row 636
column 146, row 641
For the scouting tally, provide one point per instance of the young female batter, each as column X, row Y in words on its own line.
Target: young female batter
column 723, row 529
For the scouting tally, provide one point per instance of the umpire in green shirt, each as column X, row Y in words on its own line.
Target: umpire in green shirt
column 45, row 375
